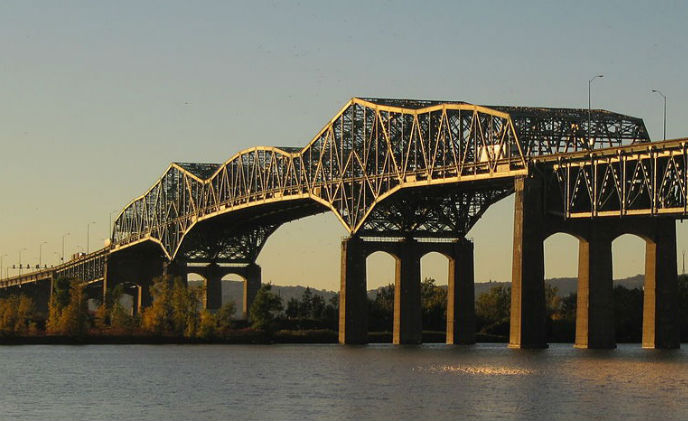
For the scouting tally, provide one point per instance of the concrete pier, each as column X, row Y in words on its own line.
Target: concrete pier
column 252, row 280
column 212, row 275
column 595, row 302
column 527, row 281
column 660, row 307
column 461, row 295
column 353, row 298
column 408, row 322
column 407, row 327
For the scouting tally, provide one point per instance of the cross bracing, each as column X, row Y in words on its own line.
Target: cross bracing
column 370, row 150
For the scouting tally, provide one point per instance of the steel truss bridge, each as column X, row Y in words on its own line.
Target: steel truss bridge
column 399, row 169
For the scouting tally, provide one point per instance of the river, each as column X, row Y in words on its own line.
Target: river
column 322, row 382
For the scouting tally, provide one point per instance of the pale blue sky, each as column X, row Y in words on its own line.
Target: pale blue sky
column 98, row 97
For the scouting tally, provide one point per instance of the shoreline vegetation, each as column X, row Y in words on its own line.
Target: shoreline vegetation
column 176, row 317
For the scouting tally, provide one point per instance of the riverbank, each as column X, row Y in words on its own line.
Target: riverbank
column 246, row 337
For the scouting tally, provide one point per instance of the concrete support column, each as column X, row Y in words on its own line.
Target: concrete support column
column 134, row 292
column 176, row 269
column 144, row 299
column 135, row 268
column 408, row 322
column 595, row 303
column 44, row 290
column 94, row 293
column 660, row 307
column 353, row 299
column 213, row 287
column 528, row 313
column 108, row 276
column 461, row 295
column 252, row 282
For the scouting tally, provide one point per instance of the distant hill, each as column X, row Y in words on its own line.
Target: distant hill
column 565, row 286
column 234, row 290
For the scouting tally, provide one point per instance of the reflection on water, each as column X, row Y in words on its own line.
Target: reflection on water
column 212, row 382
column 480, row 371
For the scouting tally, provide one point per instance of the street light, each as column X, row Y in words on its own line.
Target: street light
column 20, row 264
column 663, row 96
column 40, row 253
column 63, row 237
column 109, row 236
column 1, row 264
column 590, row 83
column 88, row 234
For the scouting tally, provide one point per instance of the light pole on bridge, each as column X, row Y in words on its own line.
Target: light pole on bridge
column 1, row 257
column 63, row 237
column 109, row 236
column 657, row 91
column 20, row 263
column 589, row 108
column 40, row 253
column 88, row 234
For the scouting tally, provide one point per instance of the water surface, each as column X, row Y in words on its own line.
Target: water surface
column 319, row 382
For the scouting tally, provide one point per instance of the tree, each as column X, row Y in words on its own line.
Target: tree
column 552, row 300
column 331, row 314
column 156, row 318
column 567, row 310
column 264, row 309
column 306, row 304
column 317, row 307
column 207, row 326
column 433, row 305
column 175, row 308
column 68, row 309
column 628, row 314
column 225, row 316
column 493, row 308
column 381, row 309
column 292, row 310
column 16, row 315
column 74, row 317
column 120, row 318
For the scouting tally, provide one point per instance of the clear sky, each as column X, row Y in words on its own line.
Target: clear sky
column 98, row 97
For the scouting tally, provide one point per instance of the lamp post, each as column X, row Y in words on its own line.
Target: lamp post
column 88, row 234
column 657, row 91
column 63, row 237
column 1, row 264
column 589, row 119
column 20, row 264
column 40, row 253
column 109, row 236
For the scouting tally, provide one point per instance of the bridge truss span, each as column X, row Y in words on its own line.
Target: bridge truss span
column 649, row 180
column 367, row 152
column 370, row 150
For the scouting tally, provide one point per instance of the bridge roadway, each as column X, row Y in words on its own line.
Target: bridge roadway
column 409, row 177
